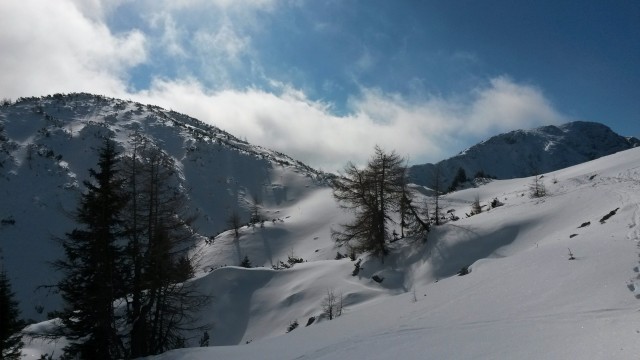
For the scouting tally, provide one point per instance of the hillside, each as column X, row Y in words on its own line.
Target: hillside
column 523, row 297
column 47, row 146
column 522, row 153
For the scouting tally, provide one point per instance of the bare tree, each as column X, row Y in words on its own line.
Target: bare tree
column 372, row 194
column 234, row 222
column 161, row 304
column 537, row 188
column 256, row 213
column 437, row 191
column 476, row 208
column 332, row 305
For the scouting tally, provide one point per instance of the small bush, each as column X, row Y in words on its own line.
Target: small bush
column 610, row 214
column 357, row 268
column 464, row 271
column 311, row 320
column 8, row 221
column 495, row 203
column 292, row 260
column 292, row 326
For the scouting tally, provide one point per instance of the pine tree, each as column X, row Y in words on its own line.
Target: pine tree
column 460, row 178
column 245, row 263
column 10, row 323
column 91, row 278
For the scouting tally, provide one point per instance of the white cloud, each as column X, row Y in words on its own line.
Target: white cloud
column 53, row 47
column 309, row 131
column 173, row 37
column 221, row 4
column 50, row 48
column 507, row 105
column 97, row 9
column 223, row 43
column 365, row 62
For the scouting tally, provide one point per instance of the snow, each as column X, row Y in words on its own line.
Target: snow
column 523, row 297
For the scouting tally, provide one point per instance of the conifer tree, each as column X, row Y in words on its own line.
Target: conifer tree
column 373, row 194
column 91, row 279
column 10, row 323
column 246, row 263
column 159, row 231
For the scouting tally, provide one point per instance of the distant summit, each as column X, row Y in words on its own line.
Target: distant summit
column 522, row 153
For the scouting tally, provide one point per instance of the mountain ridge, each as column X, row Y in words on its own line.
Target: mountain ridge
column 48, row 144
column 522, row 153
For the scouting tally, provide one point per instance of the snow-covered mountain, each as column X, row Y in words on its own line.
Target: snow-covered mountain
column 523, row 153
column 48, row 144
column 521, row 299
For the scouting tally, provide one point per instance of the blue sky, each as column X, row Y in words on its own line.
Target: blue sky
column 326, row 80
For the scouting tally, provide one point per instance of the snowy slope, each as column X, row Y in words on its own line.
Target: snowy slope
column 524, row 298
column 48, row 144
column 524, row 152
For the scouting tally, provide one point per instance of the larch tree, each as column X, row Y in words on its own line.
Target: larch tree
column 162, row 303
column 374, row 194
column 234, row 221
column 536, row 187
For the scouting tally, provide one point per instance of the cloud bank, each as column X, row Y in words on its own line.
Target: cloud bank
column 66, row 48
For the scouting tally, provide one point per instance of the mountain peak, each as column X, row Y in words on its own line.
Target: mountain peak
column 521, row 153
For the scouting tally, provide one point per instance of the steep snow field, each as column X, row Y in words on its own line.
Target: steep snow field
column 523, row 297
